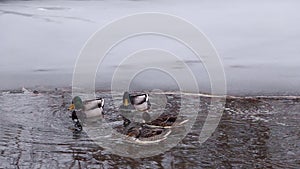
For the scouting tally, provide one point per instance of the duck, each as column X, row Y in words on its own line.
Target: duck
column 88, row 108
column 139, row 133
column 133, row 105
column 85, row 109
column 139, row 102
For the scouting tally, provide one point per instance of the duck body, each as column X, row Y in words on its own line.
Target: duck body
column 139, row 133
column 93, row 108
column 139, row 102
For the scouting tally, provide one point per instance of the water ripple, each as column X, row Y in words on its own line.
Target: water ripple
column 36, row 132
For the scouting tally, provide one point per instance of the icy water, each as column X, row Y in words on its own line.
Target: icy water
column 36, row 132
column 258, row 42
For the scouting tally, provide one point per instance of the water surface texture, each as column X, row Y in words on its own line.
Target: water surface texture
column 36, row 132
column 258, row 43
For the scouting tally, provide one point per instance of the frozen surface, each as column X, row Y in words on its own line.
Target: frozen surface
column 258, row 42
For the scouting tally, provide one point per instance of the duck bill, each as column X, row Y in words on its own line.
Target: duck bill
column 126, row 102
column 71, row 107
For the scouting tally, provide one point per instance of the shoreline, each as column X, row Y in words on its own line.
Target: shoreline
column 49, row 81
column 43, row 89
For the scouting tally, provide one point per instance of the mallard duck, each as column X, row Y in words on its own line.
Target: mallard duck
column 139, row 102
column 134, row 103
column 139, row 133
column 88, row 108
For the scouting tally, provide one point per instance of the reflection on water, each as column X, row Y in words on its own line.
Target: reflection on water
column 36, row 132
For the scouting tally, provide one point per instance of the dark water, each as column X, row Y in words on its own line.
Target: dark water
column 36, row 132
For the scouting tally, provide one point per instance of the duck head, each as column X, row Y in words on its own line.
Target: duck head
column 76, row 103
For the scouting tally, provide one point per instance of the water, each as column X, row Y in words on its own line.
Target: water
column 36, row 132
column 258, row 43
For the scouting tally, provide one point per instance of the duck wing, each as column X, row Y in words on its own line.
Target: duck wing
column 93, row 104
column 139, row 99
column 167, row 121
column 150, row 136
column 145, row 135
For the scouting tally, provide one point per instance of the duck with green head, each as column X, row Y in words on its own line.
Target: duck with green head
column 88, row 108
column 140, row 102
column 85, row 109
column 133, row 105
